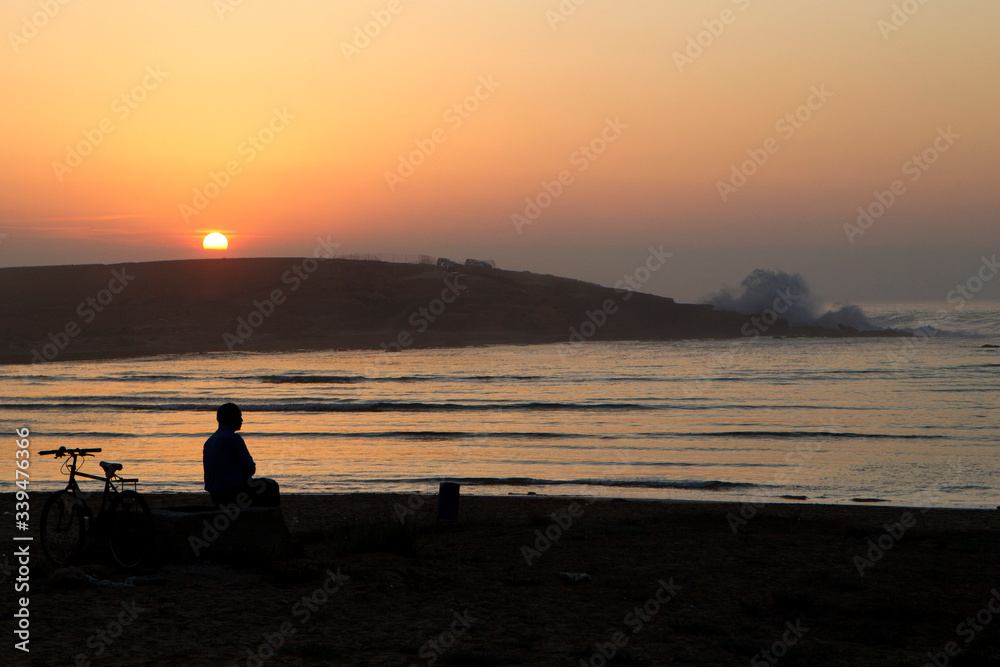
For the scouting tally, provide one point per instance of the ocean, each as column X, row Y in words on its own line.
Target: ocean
column 900, row 421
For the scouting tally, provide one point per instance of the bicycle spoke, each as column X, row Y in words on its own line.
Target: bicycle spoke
column 63, row 528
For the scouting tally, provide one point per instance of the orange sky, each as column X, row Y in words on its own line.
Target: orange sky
column 199, row 83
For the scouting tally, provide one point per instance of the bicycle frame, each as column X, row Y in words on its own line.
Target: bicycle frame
column 109, row 482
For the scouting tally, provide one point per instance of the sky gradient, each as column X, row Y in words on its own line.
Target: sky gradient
column 439, row 131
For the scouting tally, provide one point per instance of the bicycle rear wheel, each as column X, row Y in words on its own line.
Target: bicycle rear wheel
column 63, row 527
column 130, row 528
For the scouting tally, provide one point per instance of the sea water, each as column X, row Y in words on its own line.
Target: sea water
column 902, row 421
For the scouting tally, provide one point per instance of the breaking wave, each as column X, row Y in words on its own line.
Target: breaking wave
column 765, row 290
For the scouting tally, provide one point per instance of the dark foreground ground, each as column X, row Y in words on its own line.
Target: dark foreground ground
column 668, row 583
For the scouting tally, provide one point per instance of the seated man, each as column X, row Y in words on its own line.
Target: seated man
column 229, row 468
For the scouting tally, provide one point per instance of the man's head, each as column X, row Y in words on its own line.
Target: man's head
column 230, row 415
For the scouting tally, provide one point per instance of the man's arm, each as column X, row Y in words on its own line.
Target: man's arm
column 243, row 456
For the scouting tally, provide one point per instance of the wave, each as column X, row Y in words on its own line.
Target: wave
column 399, row 435
column 864, row 371
column 114, row 377
column 764, row 290
column 710, row 485
column 332, row 379
column 966, row 487
column 769, row 435
column 360, row 379
column 355, row 379
column 390, row 406
column 309, row 379
column 931, row 320
column 431, row 435
column 933, row 332
column 378, row 406
column 530, row 435
column 474, row 436
column 104, row 434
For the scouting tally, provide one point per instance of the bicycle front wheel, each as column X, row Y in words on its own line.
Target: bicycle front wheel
column 63, row 527
column 130, row 529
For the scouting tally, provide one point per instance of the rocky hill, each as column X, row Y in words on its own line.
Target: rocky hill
column 126, row 310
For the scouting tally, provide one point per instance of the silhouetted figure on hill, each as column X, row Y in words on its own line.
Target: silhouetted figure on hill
column 229, row 468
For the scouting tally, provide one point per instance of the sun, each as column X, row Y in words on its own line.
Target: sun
column 215, row 241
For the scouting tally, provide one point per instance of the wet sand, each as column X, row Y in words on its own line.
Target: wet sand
column 666, row 582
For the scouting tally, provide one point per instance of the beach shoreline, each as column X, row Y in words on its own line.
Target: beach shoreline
column 862, row 584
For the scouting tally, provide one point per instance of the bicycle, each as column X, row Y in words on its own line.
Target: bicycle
column 124, row 519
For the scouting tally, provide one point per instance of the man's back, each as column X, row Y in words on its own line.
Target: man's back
column 228, row 464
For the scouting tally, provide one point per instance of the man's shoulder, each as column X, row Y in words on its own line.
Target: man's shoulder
column 223, row 437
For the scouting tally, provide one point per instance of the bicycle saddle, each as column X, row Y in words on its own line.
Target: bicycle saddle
column 110, row 468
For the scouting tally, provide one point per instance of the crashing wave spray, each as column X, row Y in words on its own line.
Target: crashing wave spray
column 758, row 291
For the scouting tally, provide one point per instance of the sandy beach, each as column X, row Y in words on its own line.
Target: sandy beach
column 377, row 580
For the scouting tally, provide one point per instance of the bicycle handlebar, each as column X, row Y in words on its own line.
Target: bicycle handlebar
column 62, row 451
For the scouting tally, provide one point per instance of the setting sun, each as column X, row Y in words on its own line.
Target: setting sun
column 215, row 241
